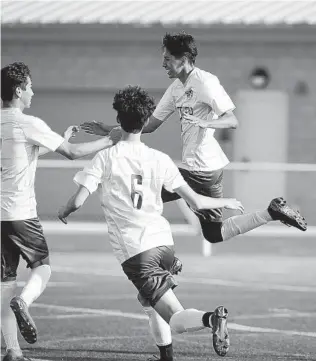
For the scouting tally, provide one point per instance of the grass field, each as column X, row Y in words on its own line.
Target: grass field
column 89, row 312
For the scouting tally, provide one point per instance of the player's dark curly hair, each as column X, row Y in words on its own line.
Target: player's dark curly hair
column 12, row 76
column 181, row 44
column 134, row 106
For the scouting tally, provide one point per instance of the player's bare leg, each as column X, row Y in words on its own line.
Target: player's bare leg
column 190, row 320
column 159, row 328
column 193, row 220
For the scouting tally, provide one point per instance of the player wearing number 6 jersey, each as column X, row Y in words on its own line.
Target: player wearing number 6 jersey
column 129, row 178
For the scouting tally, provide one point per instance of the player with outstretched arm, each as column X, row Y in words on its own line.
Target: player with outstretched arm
column 203, row 106
column 129, row 178
column 24, row 139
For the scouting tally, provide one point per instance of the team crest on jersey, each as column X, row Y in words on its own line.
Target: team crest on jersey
column 189, row 93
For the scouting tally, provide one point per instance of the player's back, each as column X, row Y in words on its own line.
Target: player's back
column 131, row 198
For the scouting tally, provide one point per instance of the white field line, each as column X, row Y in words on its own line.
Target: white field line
column 118, row 313
column 237, row 327
column 253, row 285
column 93, row 228
column 37, row 359
column 239, row 317
column 67, row 316
column 195, row 280
column 52, row 284
column 275, row 315
column 93, row 311
column 287, row 310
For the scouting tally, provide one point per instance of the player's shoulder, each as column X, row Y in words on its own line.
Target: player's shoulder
column 15, row 115
column 157, row 155
column 104, row 153
column 20, row 119
column 203, row 76
column 31, row 120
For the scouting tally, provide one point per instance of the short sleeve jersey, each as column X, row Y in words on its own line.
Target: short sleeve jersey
column 200, row 96
column 21, row 137
column 129, row 178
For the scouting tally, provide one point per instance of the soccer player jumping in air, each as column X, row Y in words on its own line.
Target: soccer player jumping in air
column 24, row 138
column 131, row 176
column 203, row 106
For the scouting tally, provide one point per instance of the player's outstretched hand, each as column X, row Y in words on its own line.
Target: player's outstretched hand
column 232, row 203
column 61, row 215
column 115, row 135
column 71, row 131
column 96, row 128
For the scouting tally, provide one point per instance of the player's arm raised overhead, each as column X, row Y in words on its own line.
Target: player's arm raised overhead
column 174, row 182
column 88, row 181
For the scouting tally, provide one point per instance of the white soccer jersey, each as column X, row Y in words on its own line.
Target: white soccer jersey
column 21, row 137
column 199, row 96
column 129, row 178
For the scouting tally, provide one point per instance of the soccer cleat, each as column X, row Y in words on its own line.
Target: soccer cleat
column 280, row 211
column 12, row 356
column 220, row 332
column 24, row 320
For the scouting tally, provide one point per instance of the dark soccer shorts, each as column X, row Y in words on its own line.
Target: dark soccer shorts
column 152, row 273
column 205, row 183
column 208, row 184
column 25, row 238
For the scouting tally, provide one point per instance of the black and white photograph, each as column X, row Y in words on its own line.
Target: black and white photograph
column 158, row 180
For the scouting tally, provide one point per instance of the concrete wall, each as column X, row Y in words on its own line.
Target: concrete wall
column 76, row 80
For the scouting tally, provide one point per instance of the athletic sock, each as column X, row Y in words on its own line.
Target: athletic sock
column 166, row 352
column 189, row 320
column 236, row 225
column 8, row 321
column 36, row 284
column 206, row 319
column 159, row 328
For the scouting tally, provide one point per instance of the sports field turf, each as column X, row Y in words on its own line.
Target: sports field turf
column 90, row 312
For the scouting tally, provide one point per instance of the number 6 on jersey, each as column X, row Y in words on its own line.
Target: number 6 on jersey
column 137, row 194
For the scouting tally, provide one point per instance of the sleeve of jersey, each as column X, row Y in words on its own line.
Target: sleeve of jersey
column 173, row 178
column 39, row 133
column 215, row 95
column 165, row 107
column 91, row 176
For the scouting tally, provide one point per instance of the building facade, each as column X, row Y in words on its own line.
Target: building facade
column 76, row 69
